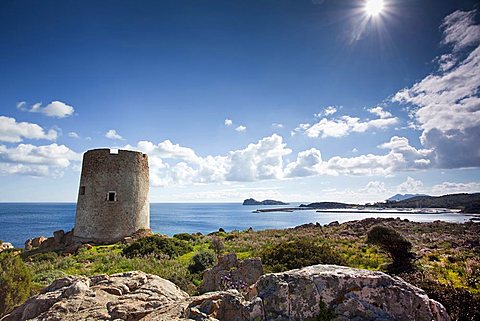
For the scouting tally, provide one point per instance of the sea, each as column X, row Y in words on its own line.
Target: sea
column 22, row 221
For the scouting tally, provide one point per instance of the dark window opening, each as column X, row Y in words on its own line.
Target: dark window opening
column 111, row 196
column 82, row 190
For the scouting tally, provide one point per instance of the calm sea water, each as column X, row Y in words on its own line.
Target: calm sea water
column 21, row 221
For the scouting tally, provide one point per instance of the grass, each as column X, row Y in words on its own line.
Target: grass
column 446, row 253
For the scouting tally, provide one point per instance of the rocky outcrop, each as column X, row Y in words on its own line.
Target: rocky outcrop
column 304, row 294
column 125, row 296
column 251, row 201
column 5, row 246
column 231, row 273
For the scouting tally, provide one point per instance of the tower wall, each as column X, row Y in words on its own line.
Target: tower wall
column 113, row 198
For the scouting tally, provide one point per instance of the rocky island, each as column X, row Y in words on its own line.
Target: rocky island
column 251, row 201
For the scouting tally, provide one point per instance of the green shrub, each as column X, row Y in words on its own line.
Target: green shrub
column 217, row 245
column 461, row 304
column 395, row 244
column 202, row 261
column 157, row 245
column 48, row 256
column 298, row 253
column 186, row 237
column 15, row 282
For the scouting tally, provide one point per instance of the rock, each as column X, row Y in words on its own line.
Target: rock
column 231, row 273
column 28, row 245
column 5, row 246
column 37, row 241
column 365, row 295
column 58, row 236
column 334, row 223
column 302, row 294
column 91, row 298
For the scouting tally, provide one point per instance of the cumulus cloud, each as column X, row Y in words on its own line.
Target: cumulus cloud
column 445, row 105
column 12, row 131
column 112, row 134
column 55, row 109
column 374, row 187
column 452, row 188
column 327, row 111
column 410, row 185
column 73, row 135
column 27, row 159
column 344, row 125
column 241, row 128
column 228, row 122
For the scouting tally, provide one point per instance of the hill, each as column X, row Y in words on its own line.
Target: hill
column 251, row 201
column 402, row 197
column 463, row 201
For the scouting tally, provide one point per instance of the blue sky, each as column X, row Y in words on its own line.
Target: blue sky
column 293, row 100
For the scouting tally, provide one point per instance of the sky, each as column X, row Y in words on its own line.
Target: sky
column 295, row 100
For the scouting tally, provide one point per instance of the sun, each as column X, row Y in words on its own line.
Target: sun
column 374, row 7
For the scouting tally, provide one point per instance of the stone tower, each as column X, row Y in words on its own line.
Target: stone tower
column 113, row 199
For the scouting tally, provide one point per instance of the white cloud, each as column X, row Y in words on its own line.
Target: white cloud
column 410, row 186
column 73, row 135
column 12, row 131
column 112, row 134
column 380, row 112
column 446, row 104
column 330, row 110
column 241, row 128
column 374, row 187
column 228, row 122
column 277, row 125
column 345, row 125
column 56, row 109
column 452, row 188
column 33, row 160
column 308, row 163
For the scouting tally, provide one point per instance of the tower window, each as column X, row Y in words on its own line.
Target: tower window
column 111, row 196
column 82, row 190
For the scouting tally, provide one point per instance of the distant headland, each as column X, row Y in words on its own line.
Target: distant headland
column 251, row 201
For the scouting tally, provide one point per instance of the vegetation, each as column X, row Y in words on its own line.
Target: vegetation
column 458, row 201
column 202, row 261
column 158, row 246
column 298, row 253
column 395, row 244
column 15, row 281
column 447, row 264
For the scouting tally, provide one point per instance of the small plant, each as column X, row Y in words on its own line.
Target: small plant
column 395, row 244
column 217, row 245
column 228, row 282
column 202, row 261
column 15, row 282
column 326, row 313
column 186, row 237
column 158, row 246
column 299, row 253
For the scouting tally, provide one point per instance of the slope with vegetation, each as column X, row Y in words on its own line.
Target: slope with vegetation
column 446, row 261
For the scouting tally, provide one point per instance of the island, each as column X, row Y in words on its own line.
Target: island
column 251, row 201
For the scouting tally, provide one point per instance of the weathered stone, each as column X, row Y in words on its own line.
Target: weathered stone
column 5, row 246
column 28, row 245
column 303, row 294
column 37, row 241
column 58, row 236
column 231, row 273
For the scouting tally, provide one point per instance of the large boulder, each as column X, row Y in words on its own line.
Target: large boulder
column 125, row 296
column 304, row 294
column 231, row 273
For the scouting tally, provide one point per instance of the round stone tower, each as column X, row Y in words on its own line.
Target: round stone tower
column 113, row 199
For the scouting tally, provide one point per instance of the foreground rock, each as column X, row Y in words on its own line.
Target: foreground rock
column 303, row 294
column 231, row 273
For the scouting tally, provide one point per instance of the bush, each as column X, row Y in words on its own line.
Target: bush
column 217, row 245
column 48, row 257
column 157, row 245
column 299, row 253
column 395, row 244
column 186, row 237
column 461, row 304
column 15, row 282
column 202, row 261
